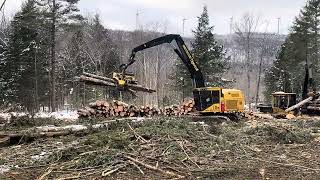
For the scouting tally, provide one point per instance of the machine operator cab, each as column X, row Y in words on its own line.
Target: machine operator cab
column 218, row 100
column 282, row 101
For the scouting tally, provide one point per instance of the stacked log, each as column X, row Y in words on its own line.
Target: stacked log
column 314, row 106
column 187, row 107
column 171, row 110
column 148, row 111
column 102, row 108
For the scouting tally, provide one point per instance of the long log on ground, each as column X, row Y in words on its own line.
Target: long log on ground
column 50, row 131
column 10, row 138
column 299, row 104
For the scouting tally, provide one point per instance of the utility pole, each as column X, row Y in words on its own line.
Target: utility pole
column 137, row 19
column 278, row 25
column 231, row 25
column 183, row 24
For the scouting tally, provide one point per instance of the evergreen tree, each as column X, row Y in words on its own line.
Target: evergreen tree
column 61, row 15
column 302, row 43
column 20, row 66
column 277, row 77
column 209, row 55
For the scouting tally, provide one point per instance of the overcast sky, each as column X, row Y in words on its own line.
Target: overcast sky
column 168, row 14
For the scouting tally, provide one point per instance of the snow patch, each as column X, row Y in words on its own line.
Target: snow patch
column 41, row 156
column 138, row 119
column 52, row 128
column 4, row 169
column 60, row 115
column 5, row 116
column 65, row 115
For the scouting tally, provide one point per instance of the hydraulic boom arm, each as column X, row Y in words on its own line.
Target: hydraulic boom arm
column 308, row 84
column 182, row 51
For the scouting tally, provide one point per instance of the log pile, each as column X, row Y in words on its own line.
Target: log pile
column 185, row 108
column 314, row 105
column 171, row 110
column 102, row 108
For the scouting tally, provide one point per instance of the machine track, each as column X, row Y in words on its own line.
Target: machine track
column 232, row 117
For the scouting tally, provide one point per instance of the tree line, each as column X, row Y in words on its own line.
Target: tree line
column 48, row 44
column 288, row 71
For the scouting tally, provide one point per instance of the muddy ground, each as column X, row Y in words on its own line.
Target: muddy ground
column 169, row 148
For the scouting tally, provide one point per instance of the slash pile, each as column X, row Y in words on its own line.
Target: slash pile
column 102, row 108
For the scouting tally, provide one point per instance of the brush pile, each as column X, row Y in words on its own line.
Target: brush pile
column 168, row 148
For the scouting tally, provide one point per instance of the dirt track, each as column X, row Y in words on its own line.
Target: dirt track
column 173, row 148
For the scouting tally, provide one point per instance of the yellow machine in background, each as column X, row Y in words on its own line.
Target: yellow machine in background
column 281, row 101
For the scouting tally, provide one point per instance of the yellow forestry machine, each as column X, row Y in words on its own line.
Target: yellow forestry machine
column 280, row 101
column 214, row 101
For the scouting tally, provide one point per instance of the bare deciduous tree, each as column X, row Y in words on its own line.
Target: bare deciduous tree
column 245, row 29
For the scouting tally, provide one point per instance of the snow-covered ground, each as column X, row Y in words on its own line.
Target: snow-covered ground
column 60, row 115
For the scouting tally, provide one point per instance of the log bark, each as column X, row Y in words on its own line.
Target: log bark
column 313, row 108
column 100, row 77
column 95, row 81
column 10, row 138
column 299, row 104
column 104, row 81
column 119, row 108
column 134, row 87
